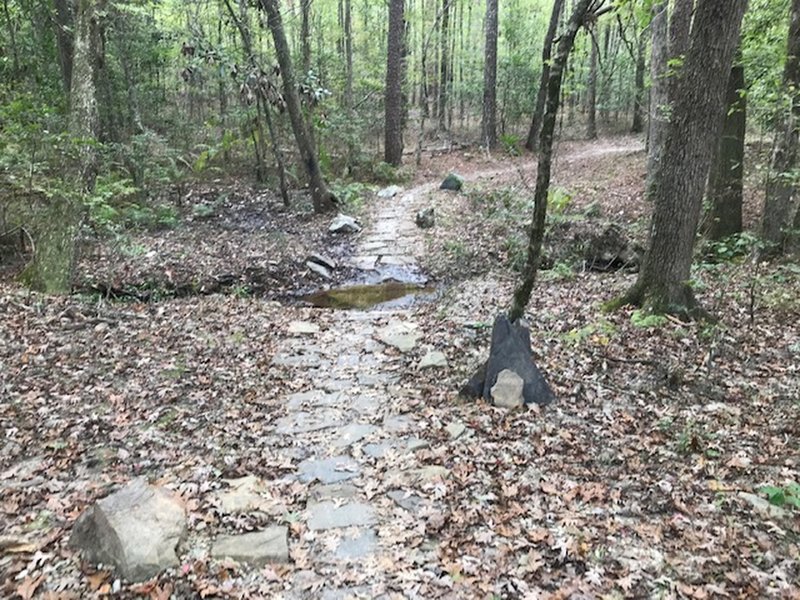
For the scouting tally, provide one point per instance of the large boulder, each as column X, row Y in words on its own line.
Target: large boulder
column 510, row 351
column 425, row 218
column 136, row 529
column 452, row 182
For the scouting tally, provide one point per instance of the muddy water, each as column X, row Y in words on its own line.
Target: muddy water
column 363, row 297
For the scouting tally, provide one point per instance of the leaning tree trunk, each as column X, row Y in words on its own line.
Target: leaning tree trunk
column 489, row 121
column 677, row 185
column 322, row 197
column 725, row 188
column 522, row 294
column 541, row 95
column 393, row 104
column 52, row 267
column 781, row 183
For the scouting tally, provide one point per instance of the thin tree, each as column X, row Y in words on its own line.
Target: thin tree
column 321, row 196
column 676, row 187
column 444, row 64
column 591, row 88
column 522, row 294
column 781, row 185
column 489, row 120
column 394, row 84
column 659, row 87
column 541, row 95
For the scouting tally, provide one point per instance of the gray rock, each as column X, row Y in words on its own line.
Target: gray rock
column 433, row 359
column 406, row 500
column 243, row 495
column 456, row 429
column 331, row 515
column 507, row 391
column 303, row 328
column 136, row 529
column 763, row 506
column 352, row 433
column 344, row 224
column 357, row 546
column 390, row 192
column 328, row 470
column 306, row 422
column 321, row 259
column 333, row 491
column 257, row 548
column 402, row 335
column 425, row 218
column 452, row 182
column 320, row 270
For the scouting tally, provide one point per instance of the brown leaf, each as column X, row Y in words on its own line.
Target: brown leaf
column 97, row 579
column 28, row 587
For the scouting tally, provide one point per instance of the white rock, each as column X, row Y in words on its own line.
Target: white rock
column 433, row 359
column 344, row 224
column 320, row 270
column 507, row 391
column 303, row 328
column 390, row 192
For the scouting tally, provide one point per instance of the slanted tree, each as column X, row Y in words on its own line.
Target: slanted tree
column 676, row 187
column 547, row 50
column 393, row 104
column 781, row 184
column 725, row 184
column 489, row 120
column 321, row 196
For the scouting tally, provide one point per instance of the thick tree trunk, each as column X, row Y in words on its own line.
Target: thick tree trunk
column 64, row 38
column 637, row 123
column 444, row 65
column 322, row 197
column 677, row 185
column 725, row 188
column 489, row 120
column 591, row 91
column 541, row 95
column 659, row 89
column 394, row 84
column 522, row 294
column 781, row 184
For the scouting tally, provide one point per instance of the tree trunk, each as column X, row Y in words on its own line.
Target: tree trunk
column 322, row 197
column 444, row 65
column 725, row 188
column 547, row 49
column 64, row 24
column 348, row 54
column 781, row 184
column 659, row 89
column 489, row 120
column 677, row 185
column 591, row 100
column 305, row 35
column 637, row 123
column 394, row 84
column 522, row 294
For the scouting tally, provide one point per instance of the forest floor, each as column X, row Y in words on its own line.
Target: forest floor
column 189, row 357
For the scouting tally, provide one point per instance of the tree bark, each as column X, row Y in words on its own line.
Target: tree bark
column 394, row 84
column 305, row 35
column 348, row 54
column 64, row 38
column 591, row 92
column 637, row 123
column 522, row 294
column 678, row 182
column 489, row 120
column 541, row 95
column 444, row 65
column 659, row 89
column 725, row 188
column 321, row 196
column 780, row 184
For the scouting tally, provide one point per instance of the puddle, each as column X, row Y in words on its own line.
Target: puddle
column 362, row 297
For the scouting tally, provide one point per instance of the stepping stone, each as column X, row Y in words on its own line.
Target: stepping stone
column 328, row 470
column 244, row 495
column 333, row 491
column 402, row 335
column 296, row 360
column 330, row 515
column 432, row 359
column 406, row 500
column 353, row 433
column 303, row 327
column 455, row 429
column 390, row 192
column 357, row 546
column 312, row 399
column 305, row 422
column 257, row 548
column 398, row 423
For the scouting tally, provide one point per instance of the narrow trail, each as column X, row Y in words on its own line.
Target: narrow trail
column 356, row 424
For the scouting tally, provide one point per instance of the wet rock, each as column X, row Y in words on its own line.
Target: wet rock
column 320, row 270
column 452, row 182
column 344, row 224
column 257, row 548
column 331, row 515
column 390, row 192
column 425, row 218
column 328, row 470
column 303, row 328
column 322, row 260
column 433, row 359
column 507, row 391
column 136, row 529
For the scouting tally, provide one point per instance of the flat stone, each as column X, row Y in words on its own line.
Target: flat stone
column 352, row 433
column 419, row 476
column 433, row 359
column 331, row 515
column 306, row 422
column 136, row 529
column 312, row 399
column 507, row 391
column 390, row 192
column 328, row 470
column 414, row 444
column 764, row 506
column 303, row 328
column 244, row 494
column 333, row 491
column 405, row 500
column 376, row 247
column 455, row 429
column 357, row 546
column 257, row 548
column 364, row 263
column 337, row 385
column 397, row 423
column 402, row 335
column 344, row 224
column 320, row 270
column 297, row 360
